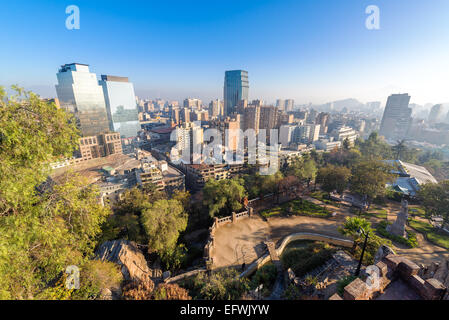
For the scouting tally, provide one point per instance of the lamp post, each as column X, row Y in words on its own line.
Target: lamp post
column 361, row 231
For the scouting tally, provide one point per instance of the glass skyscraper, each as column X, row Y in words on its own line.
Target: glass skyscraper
column 79, row 92
column 236, row 87
column 121, row 105
column 397, row 117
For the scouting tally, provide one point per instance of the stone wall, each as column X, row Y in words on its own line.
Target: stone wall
column 393, row 268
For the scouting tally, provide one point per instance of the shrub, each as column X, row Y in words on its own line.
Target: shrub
column 221, row 285
column 171, row 292
column 303, row 260
column 266, row 276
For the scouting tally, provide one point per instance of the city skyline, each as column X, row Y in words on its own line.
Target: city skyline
column 310, row 54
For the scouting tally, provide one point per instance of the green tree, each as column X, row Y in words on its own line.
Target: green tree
column 224, row 196
column 399, row 149
column 435, row 199
column 163, row 222
column 41, row 232
column 351, row 229
column 333, row 178
column 369, row 179
column 374, row 148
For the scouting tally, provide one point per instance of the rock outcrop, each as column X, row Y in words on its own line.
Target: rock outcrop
column 132, row 262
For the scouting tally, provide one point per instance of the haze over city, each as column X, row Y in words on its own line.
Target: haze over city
column 310, row 51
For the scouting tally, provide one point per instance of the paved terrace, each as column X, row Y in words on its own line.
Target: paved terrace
column 243, row 242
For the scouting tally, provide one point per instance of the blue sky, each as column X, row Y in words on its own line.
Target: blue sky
column 311, row 50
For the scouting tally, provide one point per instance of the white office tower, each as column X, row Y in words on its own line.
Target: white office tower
column 121, row 105
column 79, row 92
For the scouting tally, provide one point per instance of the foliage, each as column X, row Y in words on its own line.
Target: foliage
column 435, row 199
column 351, row 227
column 369, row 179
column 138, row 290
column 163, row 221
column 304, row 168
column 33, row 133
column 297, row 207
column 220, row 285
column 411, row 241
column 96, row 275
column 173, row 259
column 265, row 276
column 374, row 148
column 224, row 196
column 342, row 157
column 438, row 237
column 306, row 259
column 333, row 178
column 166, row 291
column 43, row 227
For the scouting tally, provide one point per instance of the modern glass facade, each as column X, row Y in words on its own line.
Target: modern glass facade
column 236, row 88
column 121, row 105
column 78, row 92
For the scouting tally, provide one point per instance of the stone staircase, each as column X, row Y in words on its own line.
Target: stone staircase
column 278, row 288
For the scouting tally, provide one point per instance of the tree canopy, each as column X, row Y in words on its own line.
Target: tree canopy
column 223, row 197
column 41, row 232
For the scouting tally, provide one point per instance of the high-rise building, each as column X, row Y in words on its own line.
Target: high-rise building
column 121, row 105
column 397, row 117
column 322, row 119
column 192, row 103
column 251, row 118
column 269, row 117
column 280, row 104
column 286, row 134
column 436, row 114
column 289, row 104
column 236, row 88
column 215, row 109
column 79, row 92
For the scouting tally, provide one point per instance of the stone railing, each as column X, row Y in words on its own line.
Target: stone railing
column 293, row 237
column 209, row 247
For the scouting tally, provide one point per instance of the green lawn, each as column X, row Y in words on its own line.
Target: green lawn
column 324, row 197
column 378, row 213
column 417, row 211
column 431, row 233
column 298, row 207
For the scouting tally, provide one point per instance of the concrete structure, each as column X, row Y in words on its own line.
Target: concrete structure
column 342, row 133
column 102, row 145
